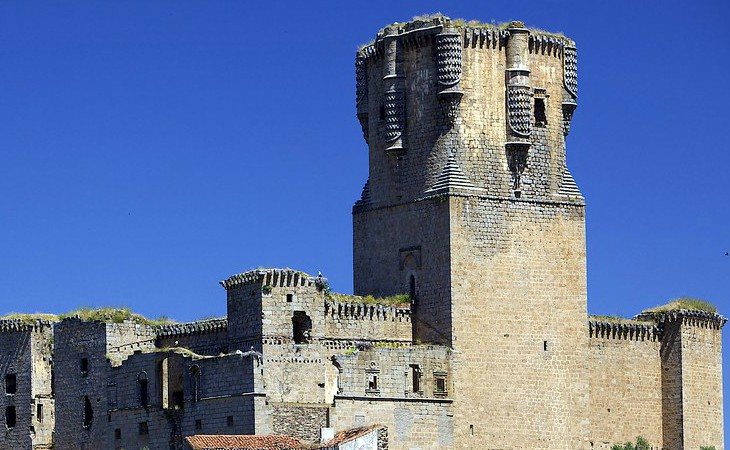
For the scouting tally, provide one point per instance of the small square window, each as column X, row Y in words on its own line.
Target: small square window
column 439, row 381
column 289, row 298
column 143, row 429
column 229, row 421
column 372, row 381
column 11, row 383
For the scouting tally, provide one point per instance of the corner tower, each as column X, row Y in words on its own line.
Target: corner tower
column 470, row 208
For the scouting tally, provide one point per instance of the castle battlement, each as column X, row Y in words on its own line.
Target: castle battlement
column 469, row 325
column 633, row 331
column 270, row 277
column 193, row 328
column 21, row 325
column 703, row 319
column 362, row 311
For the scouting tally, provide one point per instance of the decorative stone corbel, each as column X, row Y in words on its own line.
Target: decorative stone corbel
column 448, row 66
column 519, row 102
column 394, row 100
column 570, row 83
column 361, row 95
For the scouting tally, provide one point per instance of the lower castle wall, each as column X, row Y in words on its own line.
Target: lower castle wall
column 224, row 388
column 359, row 321
column 212, row 343
column 212, row 413
column 426, row 424
column 625, row 391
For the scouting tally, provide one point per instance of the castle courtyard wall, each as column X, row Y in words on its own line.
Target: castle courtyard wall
column 625, row 383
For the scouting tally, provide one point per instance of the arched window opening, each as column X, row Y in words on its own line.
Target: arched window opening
column 143, row 387
column 195, row 375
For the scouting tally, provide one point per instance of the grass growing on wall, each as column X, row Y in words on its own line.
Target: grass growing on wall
column 391, row 300
column 30, row 318
column 115, row 315
column 689, row 303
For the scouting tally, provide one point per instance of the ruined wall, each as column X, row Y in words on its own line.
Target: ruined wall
column 25, row 383
column 416, row 414
column 217, row 398
column 625, row 380
column 43, row 412
column 204, row 337
column 412, row 423
column 76, row 340
column 360, row 321
column 84, row 353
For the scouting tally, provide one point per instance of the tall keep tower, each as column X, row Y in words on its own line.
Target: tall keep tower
column 470, row 207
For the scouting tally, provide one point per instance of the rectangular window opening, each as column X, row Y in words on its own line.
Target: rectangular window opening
column 372, row 382
column 229, row 421
column 198, row 424
column 144, row 396
column 88, row 412
column 117, row 433
column 39, row 412
column 144, row 429
column 84, row 365
column 540, row 116
column 11, row 383
column 544, row 346
column 289, row 298
column 416, row 378
column 10, row 418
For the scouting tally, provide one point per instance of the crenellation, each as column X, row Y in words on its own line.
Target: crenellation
column 623, row 330
column 469, row 327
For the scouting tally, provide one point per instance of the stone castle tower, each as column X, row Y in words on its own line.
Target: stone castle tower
column 470, row 207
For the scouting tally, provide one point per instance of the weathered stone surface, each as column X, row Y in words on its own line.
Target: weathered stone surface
column 470, row 209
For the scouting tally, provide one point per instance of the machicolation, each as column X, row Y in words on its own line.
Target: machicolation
column 468, row 327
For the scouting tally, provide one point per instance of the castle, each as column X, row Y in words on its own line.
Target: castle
column 469, row 328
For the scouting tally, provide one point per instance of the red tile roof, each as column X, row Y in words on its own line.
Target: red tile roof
column 242, row 442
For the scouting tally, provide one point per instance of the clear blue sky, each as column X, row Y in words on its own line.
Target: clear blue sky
column 150, row 149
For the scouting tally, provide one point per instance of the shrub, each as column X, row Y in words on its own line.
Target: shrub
column 641, row 444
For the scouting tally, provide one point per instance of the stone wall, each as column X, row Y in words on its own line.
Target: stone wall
column 84, row 353
column 25, row 380
column 367, row 322
column 467, row 184
column 217, row 398
column 204, row 337
column 412, row 422
column 418, row 414
column 691, row 356
column 625, row 380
